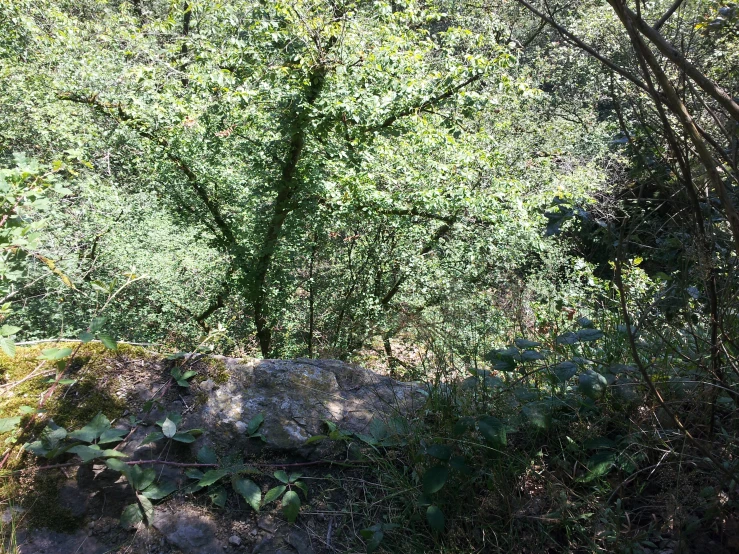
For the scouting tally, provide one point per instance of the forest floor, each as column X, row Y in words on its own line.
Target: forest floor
column 531, row 499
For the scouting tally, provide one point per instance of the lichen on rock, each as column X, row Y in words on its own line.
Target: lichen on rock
column 295, row 397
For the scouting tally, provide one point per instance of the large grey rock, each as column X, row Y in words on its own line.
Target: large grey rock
column 296, row 397
column 187, row 529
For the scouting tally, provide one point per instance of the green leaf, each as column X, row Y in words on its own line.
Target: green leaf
column 281, row 476
column 112, row 435
column 207, row 455
column 7, row 330
column 116, row 465
column 86, row 337
column 254, row 424
column 157, row 491
column 315, row 438
column 8, row 346
column 302, row 487
column 564, row 371
column 47, row 444
column 7, row 424
column 218, row 496
column 291, row 506
column 249, row 490
column 592, row 383
column 493, row 430
column 294, row 476
column 97, row 324
column 152, row 437
column 185, row 437
column 87, row 453
column 374, row 538
column 439, row 451
column 141, row 478
column 147, row 507
column 434, row 479
column 567, row 338
column 169, row 428
column 92, row 430
column 108, row 341
column 54, row 354
column 172, row 416
column 273, row 494
column 462, row 425
column 532, row 355
column 37, row 448
column 378, row 429
column 435, row 518
column 599, row 464
column 131, row 515
column 194, row 473
column 588, row 335
column 212, row 476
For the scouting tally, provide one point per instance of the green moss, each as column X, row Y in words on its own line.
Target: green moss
column 43, row 505
column 217, row 371
column 71, row 406
column 92, row 393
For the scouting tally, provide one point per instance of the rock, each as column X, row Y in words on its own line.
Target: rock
column 73, row 499
column 44, row 541
column 187, row 529
column 295, row 398
column 300, row 540
column 273, row 545
column 267, row 523
column 14, row 512
column 234, row 540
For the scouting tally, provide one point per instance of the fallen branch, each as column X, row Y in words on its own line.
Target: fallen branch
column 131, row 463
column 184, row 464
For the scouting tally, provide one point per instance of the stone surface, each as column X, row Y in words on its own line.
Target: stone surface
column 73, row 499
column 43, row 541
column 188, row 530
column 296, row 397
column 300, row 541
column 234, row 540
column 274, row 545
column 10, row 514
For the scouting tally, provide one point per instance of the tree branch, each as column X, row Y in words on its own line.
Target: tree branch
column 672, row 54
column 662, row 20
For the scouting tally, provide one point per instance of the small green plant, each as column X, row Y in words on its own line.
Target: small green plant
column 7, row 339
column 290, row 498
column 143, row 482
column 95, row 331
column 89, row 443
column 169, row 430
column 86, row 442
column 181, row 377
column 375, row 533
column 213, row 480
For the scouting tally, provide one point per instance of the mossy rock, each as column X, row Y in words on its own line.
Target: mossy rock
column 71, row 406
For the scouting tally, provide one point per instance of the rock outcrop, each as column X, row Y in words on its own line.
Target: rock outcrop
column 296, row 398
